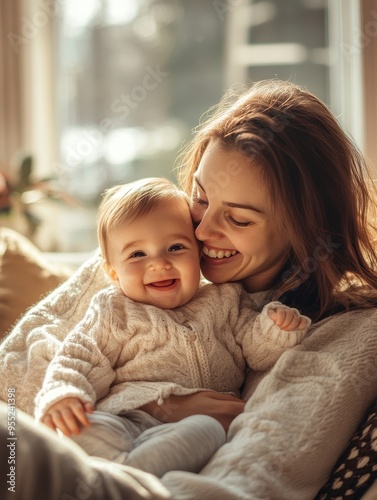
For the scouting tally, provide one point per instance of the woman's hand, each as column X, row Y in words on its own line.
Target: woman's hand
column 222, row 407
column 68, row 415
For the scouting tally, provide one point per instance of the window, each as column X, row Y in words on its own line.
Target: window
column 285, row 40
column 118, row 86
column 134, row 78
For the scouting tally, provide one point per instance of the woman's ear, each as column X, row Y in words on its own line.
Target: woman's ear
column 110, row 271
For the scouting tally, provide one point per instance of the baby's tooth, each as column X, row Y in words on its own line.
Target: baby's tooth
column 220, row 254
column 212, row 253
column 227, row 254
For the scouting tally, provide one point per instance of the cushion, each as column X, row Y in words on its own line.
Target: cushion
column 356, row 469
column 25, row 276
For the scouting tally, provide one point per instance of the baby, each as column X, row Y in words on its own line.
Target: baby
column 157, row 330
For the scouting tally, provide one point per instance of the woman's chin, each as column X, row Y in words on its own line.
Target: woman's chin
column 216, row 272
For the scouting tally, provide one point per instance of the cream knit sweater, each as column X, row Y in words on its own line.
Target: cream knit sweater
column 124, row 354
column 297, row 420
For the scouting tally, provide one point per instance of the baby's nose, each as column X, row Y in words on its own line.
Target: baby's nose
column 160, row 263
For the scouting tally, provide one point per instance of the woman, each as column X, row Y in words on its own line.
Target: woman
column 282, row 204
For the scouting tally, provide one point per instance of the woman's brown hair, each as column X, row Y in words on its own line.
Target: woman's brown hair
column 318, row 181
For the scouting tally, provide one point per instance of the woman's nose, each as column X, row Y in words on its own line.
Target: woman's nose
column 207, row 228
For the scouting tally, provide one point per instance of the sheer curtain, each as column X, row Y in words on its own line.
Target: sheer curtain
column 368, row 38
column 27, row 84
column 10, row 86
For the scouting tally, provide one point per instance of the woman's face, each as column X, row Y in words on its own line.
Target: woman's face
column 232, row 209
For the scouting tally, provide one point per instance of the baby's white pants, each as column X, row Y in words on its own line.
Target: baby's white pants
column 137, row 439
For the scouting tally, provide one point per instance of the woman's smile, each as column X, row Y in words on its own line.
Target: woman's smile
column 218, row 254
column 241, row 238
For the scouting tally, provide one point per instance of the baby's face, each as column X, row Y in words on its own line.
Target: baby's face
column 155, row 259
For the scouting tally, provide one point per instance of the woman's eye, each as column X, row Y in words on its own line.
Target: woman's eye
column 196, row 198
column 236, row 222
column 137, row 254
column 175, row 248
column 199, row 201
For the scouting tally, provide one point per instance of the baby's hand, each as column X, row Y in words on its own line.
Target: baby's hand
column 288, row 319
column 67, row 415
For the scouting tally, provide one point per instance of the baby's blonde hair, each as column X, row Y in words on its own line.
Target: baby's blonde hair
column 130, row 202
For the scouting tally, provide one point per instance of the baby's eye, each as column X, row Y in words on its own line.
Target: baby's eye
column 175, row 247
column 137, row 254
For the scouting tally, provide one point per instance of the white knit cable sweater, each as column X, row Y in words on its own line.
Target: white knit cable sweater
column 124, row 354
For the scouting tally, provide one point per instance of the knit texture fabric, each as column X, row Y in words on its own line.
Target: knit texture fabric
column 126, row 354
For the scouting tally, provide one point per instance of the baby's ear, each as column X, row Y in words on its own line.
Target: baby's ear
column 110, row 271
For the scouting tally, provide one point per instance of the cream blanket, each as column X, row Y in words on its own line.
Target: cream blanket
column 297, row 420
